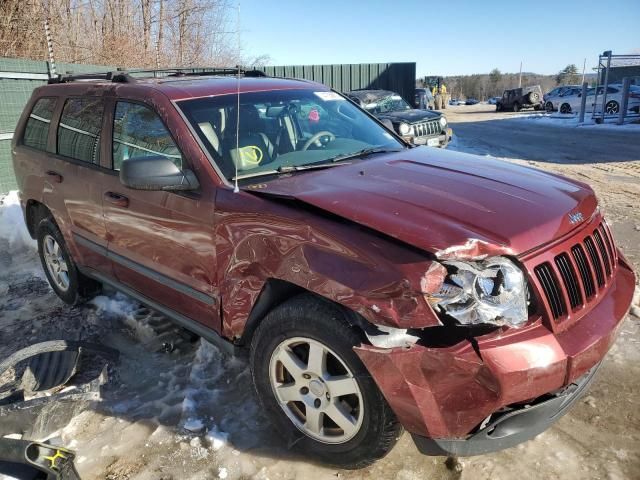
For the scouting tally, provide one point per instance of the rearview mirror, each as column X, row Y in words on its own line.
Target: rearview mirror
column 156, row 173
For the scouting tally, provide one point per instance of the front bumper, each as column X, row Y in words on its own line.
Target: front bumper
column 440, row 141
column 511, row 427
column 446, row 393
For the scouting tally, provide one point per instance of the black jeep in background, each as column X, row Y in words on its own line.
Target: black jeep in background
column 516, row 99
column 420, row 127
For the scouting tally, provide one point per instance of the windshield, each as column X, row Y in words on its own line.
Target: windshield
column 283, row 129
column 391, row 103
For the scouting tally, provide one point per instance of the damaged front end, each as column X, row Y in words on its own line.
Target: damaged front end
column 478, row 384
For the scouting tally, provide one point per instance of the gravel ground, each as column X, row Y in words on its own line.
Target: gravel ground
column 191, row 414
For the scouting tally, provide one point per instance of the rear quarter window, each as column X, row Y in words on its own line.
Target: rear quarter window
column 79, row 129
column 37, row 128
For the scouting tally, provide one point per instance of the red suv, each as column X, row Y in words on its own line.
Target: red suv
column 374, row 285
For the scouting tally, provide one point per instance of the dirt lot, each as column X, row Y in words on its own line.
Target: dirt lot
column 191, row 414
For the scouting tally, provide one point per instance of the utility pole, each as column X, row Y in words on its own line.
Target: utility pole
column 520, row 76
column 584, row 66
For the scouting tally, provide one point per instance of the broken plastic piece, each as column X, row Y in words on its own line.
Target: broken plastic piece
column 390, row 337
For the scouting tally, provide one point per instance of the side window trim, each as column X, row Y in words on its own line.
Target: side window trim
column 111, row 131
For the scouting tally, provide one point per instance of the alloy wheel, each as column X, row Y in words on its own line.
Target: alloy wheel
column 316, row 390
column 612, row 107
column 55, row 262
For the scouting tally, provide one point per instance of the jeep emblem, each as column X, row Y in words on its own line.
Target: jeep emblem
column 575, row 217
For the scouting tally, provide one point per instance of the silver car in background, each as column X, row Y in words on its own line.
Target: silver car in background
column 552, row 98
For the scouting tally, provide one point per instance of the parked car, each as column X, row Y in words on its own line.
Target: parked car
column 552, row 97
column 471, row 101
column 493, row 100
column 571, row 100
column 424, row 99
column 371, row 284
column 420, row 127
column 516, row 99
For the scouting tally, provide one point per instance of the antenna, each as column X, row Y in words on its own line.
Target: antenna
column 52, row 63
column 235, row 187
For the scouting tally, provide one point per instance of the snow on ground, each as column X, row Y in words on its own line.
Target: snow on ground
column 570, row 120
column 12, row 227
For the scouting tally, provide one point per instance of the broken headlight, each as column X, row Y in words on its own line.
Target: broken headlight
column 488, row 291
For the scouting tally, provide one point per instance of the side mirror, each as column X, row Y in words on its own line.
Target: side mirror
column 156, row 173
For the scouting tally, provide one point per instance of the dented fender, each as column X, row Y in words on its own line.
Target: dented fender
column 376, row 277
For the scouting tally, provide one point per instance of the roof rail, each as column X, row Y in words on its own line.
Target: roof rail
column 130, row 76
column 116, row 77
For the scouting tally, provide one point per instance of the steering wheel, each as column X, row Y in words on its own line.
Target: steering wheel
column 316, row 139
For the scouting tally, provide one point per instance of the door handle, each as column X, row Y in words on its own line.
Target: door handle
column 55, row 176
column 116, row 199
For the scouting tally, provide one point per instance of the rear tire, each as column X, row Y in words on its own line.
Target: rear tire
column 58, row 265
column 565, row 108
column 291, row 330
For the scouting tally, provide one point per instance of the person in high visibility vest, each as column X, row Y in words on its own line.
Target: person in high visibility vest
column 434, row 90
column 443, row 89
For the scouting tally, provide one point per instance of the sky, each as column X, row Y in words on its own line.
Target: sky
column 454, row 37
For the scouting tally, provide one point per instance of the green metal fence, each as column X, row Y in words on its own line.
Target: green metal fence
column 397, row 77
column 19, row 77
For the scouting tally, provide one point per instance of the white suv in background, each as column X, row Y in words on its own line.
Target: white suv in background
column 571, row 101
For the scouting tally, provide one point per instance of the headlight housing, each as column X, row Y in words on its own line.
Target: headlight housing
column 443, row 122
column 490, row 291
column 404, row 129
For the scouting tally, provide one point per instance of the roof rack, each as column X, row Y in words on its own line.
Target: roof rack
column 131, row 76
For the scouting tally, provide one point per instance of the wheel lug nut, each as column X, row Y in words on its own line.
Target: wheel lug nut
column 304, row 390
column 316, row 403
column 328, row 396
column 306, row 375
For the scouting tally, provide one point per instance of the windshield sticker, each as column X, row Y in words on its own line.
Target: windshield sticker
column 395, row 97
column 314, row 116
column 328, row 96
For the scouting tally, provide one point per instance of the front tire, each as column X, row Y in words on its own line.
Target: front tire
column 314, row 387
column 549, row 107
column 58, row 265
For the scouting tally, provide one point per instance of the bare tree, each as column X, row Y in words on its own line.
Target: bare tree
column 122, row 32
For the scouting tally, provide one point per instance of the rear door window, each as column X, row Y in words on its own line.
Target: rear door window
column 138, row 132
column 79, row 129
column 37, row 129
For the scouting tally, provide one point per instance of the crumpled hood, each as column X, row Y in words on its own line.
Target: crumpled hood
column 438, row 200
column 409, row 116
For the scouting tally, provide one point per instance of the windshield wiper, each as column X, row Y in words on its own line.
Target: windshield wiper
column 287, row 169
column 364, row 152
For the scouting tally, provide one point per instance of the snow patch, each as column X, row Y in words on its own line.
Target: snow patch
column 12, row 226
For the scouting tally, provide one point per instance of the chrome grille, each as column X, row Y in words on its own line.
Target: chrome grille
column 426, row 129
column 573, row 278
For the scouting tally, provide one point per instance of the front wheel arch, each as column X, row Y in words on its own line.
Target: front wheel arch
column 274, row 293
